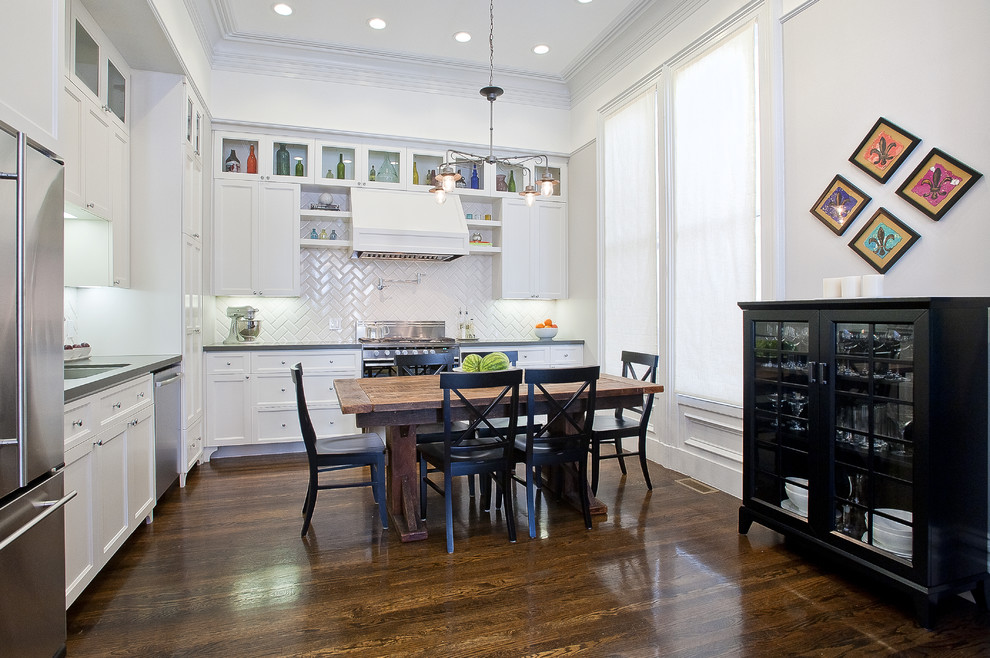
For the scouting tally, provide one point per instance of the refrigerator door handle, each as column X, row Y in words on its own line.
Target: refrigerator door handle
column 51, row 506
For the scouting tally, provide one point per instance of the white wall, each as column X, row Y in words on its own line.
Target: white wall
column 578, row 314
column 924, row 70
column 372, row 110
column 185, row 41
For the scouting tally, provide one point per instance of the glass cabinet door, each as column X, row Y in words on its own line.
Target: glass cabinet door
column 781, row 394
column 872, row 441
column 116, row 91
column 86, row 59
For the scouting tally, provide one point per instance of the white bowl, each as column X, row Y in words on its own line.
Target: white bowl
column 796, row 494
column 895, row 542
column 891, row 527
column 545, row 333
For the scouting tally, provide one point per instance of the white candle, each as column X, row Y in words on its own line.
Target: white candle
column 851, row 286
column 832, row 287
column 872, row 285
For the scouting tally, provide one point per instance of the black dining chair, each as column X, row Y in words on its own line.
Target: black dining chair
column 513, row 356
column 613, row 427
column 424, row 364
column 563, row 439
column 463, row 452
column 337, row 453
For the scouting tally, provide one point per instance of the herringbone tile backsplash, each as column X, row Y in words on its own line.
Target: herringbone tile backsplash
column 335, row 286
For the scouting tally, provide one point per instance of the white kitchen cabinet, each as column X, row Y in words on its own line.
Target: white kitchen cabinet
column 86, row 144
column 81, row 562
column 256, row 238
column 192, row 193
column 192, row 449
column 192, row 350
column 139, row 437
column 97, row 68
column 533, row 261
column 32, row 50
column 565, row 355
column 110, row 463
column 233, row 151
column 251, row 398
column 195, row 123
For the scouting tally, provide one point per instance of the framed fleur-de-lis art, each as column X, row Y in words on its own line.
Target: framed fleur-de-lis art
column 839, row 204
column 937, row 183
column 883, row 150
column 883, row 240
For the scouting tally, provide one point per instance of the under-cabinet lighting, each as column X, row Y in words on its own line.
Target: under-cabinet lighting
column 462, row 37
column 376, row 24
column 282, row 9
column 68, row 215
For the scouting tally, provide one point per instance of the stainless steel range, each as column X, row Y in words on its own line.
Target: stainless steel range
column 383, row 339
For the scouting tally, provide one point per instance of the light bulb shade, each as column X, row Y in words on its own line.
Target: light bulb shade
column 530, row 194
column 439, row 195
column 448, row 178
column 546, row 187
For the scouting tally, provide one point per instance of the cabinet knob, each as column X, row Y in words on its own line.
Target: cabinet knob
column 90, row 205
column 116, row 405
column 283, row 424
column 77, row 423
column 228, row 363
column 140, row 395
column 247, row 376
column 133, row 423
column 283, row 363
column 331, row 422
column 283, row 390
column 195, row 235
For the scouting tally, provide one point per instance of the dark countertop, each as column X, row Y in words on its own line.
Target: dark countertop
column 466, row 344
column 136, row 366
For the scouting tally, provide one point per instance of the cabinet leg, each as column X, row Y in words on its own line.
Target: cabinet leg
column 745, row 520
column 982, row 595
column 924, row 607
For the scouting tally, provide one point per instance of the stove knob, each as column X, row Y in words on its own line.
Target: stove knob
column 404, row 351
column 387, row 352
column 377, row 353
column 433, row 351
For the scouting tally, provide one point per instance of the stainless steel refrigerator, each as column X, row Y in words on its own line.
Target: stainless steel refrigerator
column 32, row 527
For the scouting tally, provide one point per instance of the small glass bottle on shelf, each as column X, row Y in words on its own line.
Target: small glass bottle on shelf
column 323, row 235
column 474, row 178
column 232, row 164
column 313, row 235
column 340, row 167
column 252, row 161
column 282, row 161
column 333, row 234
column 512, row 181
column 300, row 169
column 371, row 174
column 415, row 175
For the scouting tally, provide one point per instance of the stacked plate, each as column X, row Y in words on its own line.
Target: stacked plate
column 892, row 535
column 797, row 496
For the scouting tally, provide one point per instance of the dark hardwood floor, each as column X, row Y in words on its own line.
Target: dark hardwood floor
column 222, row 572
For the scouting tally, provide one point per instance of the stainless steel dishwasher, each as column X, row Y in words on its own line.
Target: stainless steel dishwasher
column 168, row 427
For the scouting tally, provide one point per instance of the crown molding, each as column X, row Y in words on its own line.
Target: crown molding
column 413, row 75
column 612, row 55
column 608, row 36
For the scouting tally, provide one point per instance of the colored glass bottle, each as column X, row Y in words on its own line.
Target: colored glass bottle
column 300, row 169
column 474, row 178
column 232, row 164
column 252, row 162
column 340, row 167
column 512, row 181
column 323, row 235
column 282, row 161
column 313, row 235
column 415, row 175
column 371, row 175
column 333, row 234
column 329, row 173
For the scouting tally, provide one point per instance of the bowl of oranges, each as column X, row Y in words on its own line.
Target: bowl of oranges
column 545, row 330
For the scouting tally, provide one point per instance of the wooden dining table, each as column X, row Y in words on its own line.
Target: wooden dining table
column 400, row 404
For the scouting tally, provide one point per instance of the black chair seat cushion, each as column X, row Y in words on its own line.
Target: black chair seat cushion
column 561, row 447
column 608, row 423
column 434, row 452
column 337, row 445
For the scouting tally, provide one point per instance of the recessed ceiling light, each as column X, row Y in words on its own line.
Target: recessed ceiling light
column 584, row 2
column 462, row 37
column 376, row 24
column 282, row 9
column 541, row 49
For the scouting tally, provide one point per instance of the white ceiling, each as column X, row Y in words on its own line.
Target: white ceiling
column 420, row 32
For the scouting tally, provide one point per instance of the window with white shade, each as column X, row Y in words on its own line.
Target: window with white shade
column 716, row 219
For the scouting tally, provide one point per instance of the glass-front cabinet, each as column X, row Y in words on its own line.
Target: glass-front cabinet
column 97, row 68
column 866, row 432
column 245, row 156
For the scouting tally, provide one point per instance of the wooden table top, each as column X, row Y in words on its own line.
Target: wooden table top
column 390, row 394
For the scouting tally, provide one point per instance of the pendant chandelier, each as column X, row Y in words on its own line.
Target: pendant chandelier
column 447, row 176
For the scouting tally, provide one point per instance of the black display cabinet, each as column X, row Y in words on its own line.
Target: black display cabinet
column 865, row 436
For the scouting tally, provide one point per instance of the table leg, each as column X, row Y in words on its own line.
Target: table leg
column 403, row 482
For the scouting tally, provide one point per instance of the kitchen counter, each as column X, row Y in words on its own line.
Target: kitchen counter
column 253, row 347
column 136, row 366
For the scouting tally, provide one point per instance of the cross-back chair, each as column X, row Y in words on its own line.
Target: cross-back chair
column 613, row 427
column 338, row 453
column 462, row 451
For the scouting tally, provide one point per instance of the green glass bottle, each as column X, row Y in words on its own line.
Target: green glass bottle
column 300, row 170
column 512, row 181
column 415, row 175
column 340, row 167
column 282, row 161
column 371, row 176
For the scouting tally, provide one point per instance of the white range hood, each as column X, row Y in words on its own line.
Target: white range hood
column 397, row 225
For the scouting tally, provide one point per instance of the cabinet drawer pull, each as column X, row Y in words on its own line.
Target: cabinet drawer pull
column 283, row 389
column 116, row 405
column 77, row 423
column 822, row 371
column 811, row 372
column 283, row 425
column 132, row 423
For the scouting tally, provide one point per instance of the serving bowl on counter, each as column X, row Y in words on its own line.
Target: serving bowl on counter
column 545, row 333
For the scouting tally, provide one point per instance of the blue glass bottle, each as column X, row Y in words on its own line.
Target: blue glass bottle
column 474, row 178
